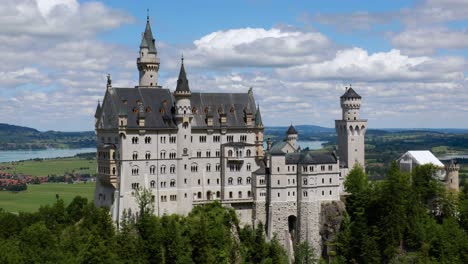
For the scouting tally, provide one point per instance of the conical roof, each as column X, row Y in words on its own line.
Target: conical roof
column 350, row 93
column 291, row 130
column 182, row 82
column 98, row 110
column 258, row 118
column 147, row 41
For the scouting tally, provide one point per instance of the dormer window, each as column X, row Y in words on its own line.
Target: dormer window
column 162, row 111
column 148, row 109
column 194, row 110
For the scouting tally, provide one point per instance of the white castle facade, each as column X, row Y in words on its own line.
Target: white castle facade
column 191, row 148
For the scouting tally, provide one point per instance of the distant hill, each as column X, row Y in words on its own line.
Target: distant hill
column 17, row 137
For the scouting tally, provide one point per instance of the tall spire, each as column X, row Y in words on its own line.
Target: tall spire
column 258, row 117
column 147, row 41
column 182, row 82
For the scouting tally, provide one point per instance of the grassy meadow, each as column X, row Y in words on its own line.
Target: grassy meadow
column 58, row 166
column 43, row 194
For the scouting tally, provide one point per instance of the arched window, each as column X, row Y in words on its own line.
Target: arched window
column 173, row 183
column 148, row 155
column 230, row 153
column 240, row 194
column 230, row 181
column 249, row 180
column 163, row 169
column 199, row 195
column 152, row 184
column 248, row 153
column 135, row 170
column 163, row 154
column 305, row 181
column 172, row 169
column 218, row 194
column 249, row 194
column 239, row 180
column 113, row 171
column 152, row 169
column 135, row 155
column 194, row 167
column 208, row 167
column 185, row 151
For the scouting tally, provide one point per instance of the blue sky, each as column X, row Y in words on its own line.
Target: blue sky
column 408, row 59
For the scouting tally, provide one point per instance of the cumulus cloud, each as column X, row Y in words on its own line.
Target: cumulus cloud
column 58, row 18
column 357, row 64
column 428, row 40
column 258, row 47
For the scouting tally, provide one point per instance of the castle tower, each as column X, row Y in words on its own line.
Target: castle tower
column 452, row 175
column 351, row 130
column 183, row 118
column 148, row 61
column 291, row 136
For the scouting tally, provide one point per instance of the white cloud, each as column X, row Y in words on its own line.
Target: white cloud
column 258, row 47
column 357, row 65
column 58, row 18
column 428, row 40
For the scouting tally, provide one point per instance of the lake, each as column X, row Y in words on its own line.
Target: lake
column 16, row 155
column 312, row 145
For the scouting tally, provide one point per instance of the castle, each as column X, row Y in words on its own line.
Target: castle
column 191, row 148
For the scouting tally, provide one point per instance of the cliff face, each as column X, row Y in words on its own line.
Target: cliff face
column 331, row 215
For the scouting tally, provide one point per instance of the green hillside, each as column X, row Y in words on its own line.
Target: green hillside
column 16, row 137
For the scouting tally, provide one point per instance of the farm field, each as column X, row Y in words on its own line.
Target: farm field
column 43, row 194
column 58, row 166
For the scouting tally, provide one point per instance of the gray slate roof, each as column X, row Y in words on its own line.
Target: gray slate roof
column 291, row 130
column 216, row 104
column 147, row 40
column 258, row 118
column 309, row 157
column 158, row 105
column 182, row 82
column 350, row 93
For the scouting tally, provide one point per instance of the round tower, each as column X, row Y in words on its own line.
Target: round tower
column 351, row 130
column 148, row 61
column 452, row 179
column 292, row 135
column 350, row 105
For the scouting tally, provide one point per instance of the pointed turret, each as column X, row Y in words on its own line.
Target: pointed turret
column 258, row 118
column 147, row 41
column 292, row 136
column 182, row 82
column 291, row 130
column 98, row 110
column 148, row 61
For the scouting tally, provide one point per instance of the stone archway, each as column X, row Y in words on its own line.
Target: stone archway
column 292, row 226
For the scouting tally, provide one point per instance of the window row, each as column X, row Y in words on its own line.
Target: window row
column 248, row 153
column 135, row 140
column 172, row 183
column 239, row 180
column 152, row 169
column 323, row 181
column 311, row 168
